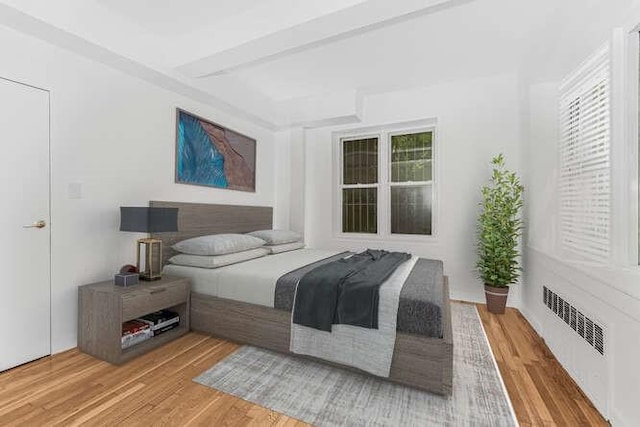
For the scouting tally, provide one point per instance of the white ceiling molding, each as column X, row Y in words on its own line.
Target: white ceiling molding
column 328, row 109
column 282, row 57
column 322, row 110
column 265, row 18
column 27, row 24
column 329, row 28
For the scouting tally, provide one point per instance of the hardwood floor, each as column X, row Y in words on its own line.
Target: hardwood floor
column 72, row 388
column 541, row 391
column 155, row 389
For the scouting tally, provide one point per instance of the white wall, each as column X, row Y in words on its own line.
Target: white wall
column 113, row 134
column 476, row 119
column 297, row 180
column 608, row 293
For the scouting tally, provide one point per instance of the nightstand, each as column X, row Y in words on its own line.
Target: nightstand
column 103, row 307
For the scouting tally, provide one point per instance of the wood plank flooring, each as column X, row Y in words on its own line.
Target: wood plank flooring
column 72, row 388
column 541, row 391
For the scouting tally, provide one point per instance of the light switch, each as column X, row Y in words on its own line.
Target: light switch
column 75, row 190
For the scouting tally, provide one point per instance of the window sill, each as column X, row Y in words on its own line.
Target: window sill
column 623, row 278
column 430, row 239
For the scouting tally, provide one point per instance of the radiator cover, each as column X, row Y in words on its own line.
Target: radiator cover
column 588, row 329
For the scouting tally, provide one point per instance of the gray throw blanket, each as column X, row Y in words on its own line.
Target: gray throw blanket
column 370, row 350
column 287, row 284
column 421, row 299
column 345, row 291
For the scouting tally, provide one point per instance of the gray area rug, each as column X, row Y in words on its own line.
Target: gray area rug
column 327, row 396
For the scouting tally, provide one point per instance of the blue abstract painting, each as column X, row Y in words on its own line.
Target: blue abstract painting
column 211, row 155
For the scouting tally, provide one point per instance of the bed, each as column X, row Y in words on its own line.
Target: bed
column 242, row 315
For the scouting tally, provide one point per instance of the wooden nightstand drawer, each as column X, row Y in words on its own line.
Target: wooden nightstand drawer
column 153, row 298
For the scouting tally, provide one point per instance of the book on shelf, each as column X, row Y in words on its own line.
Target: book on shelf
column 135, row 332
column 160, row 319
column 133, row 326
column 164, row 329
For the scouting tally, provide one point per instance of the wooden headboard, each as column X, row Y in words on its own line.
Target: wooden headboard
column 198, row 219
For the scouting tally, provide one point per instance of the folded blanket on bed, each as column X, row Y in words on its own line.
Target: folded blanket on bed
column 345, row 291
column 370, row 350
column 421, row 303
column 421, row 300
column 287, row 283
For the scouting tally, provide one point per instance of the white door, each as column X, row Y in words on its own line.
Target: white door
column 25, row 291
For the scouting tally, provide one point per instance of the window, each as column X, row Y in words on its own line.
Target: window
column 386, row 183
column 411, row 183
column 360, row 185
column 585, row 160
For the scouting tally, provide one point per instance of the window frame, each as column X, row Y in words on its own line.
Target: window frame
column 390, row 184
column 625, row 93
column 384, row 184
column 343, row 186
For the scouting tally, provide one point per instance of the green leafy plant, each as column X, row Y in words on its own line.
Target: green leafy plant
column 500, row 227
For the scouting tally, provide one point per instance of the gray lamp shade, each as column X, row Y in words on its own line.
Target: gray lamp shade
column 148, row 220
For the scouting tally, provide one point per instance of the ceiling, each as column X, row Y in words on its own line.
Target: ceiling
column 276, row 60
column 177, row 18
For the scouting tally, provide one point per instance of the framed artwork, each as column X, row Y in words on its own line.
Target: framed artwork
column 211, row 155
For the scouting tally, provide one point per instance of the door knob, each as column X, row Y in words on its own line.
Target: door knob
column 37, row 224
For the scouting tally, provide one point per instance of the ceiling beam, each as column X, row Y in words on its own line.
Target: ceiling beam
column 327, row 109
column 339, row 25
column 27, row 24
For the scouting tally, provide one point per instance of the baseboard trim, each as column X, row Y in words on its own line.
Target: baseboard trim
column 615, row 419
column 533, row 321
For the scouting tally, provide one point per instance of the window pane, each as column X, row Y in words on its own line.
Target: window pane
column 360, row 161
column 411, row 209
column 411, row 156
column 360, row 210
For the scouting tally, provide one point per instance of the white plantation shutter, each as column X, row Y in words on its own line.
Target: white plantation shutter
column 585, row 159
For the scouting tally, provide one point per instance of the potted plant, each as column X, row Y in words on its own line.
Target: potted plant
column 499, row 232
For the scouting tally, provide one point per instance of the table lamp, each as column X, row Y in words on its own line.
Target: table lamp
column 149, row 220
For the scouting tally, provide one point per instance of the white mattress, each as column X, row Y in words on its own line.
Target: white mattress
column 252, row 281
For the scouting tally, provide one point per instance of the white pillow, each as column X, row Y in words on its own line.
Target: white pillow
column 277, row 237
column 218, row 244
column 215, row 261
column 285, row 247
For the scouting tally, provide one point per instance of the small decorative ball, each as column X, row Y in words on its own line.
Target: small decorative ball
column 128, row 268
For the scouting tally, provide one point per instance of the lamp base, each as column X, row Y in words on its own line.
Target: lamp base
column 152, row 249
column 150, row 278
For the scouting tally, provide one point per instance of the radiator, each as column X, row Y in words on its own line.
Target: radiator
column 588, row 329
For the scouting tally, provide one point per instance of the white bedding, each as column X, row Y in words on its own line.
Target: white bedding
column 252, row 281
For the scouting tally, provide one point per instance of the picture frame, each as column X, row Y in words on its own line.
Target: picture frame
column 208, row 154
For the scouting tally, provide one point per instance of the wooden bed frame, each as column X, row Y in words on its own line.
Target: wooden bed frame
column 418, row 361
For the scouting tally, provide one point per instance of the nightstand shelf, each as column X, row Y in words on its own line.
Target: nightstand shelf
column 150, row 344
column 103, row 308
